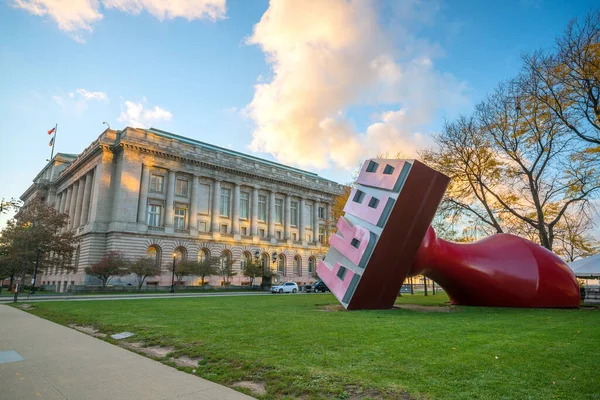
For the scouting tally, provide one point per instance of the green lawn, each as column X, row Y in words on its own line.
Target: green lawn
column 302, row 348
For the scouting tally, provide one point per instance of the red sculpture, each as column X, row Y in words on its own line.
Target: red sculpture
column 385, row 236
column 499, row 271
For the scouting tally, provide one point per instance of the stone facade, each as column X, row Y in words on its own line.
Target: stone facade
column 150, row 192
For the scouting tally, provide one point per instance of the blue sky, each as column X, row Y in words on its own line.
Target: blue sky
column 340, row 81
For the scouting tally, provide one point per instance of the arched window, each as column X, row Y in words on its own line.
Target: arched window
column 311, row 265
column 247, row 259
column 180, row 254
column 154, row 252
column 298, row 265
column 265, row 261
column 203, row 254
column 225, row 258
column 281, row 264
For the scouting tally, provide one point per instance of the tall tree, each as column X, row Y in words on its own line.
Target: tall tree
column 207, row 267
column 113, row 264
column 226, row 271
column 253, row 269
column 35, row 234
column 513, row 166
column 567, row 78
column 185, row 268
column 142, row 268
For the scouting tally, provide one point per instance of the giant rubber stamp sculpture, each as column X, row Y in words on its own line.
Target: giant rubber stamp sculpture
column 385, row 236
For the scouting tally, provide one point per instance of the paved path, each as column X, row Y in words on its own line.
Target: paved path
column 61, row 363
column 38, row 297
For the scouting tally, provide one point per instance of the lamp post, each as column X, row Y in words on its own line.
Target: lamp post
column 173, row 275
column 37, row 259
column 274, row 258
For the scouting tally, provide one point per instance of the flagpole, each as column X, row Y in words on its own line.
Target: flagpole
column 54, row 141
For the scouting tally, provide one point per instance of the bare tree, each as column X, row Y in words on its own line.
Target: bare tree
column 568, row 78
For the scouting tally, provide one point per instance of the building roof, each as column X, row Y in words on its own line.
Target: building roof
column 228, row 151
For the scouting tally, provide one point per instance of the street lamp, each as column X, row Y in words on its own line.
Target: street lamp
column 274, row 259
column 173, row 275
column 37, row 259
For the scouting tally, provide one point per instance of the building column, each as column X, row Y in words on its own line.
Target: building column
column 254, row 220
column 87, row 194
column 72, row 204
column 63, row 198
column 301, row 222
column 316, row 222
column 193, row 224
column 235, row 224
column 287, row 212
column 79, row 202
column 271, row 214
column 169, row 212
column 215, row 212
column 142, row 207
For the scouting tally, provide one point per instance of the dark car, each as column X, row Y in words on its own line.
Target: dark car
column 317, row 287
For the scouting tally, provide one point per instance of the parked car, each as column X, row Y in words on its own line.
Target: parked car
column 288, row 287
column 316, row 287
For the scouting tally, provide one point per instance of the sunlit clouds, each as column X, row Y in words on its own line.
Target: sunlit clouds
column 77, row 17
column 137, row 116
column 328, row 56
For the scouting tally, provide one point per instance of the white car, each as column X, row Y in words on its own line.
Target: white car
column 288, row 287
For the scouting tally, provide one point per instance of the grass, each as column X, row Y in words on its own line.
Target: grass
column 302, row 346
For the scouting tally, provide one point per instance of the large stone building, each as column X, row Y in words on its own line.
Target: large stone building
column 150, row 192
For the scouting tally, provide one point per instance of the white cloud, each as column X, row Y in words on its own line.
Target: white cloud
column 161, row 9
column 100, row 96
column 328, row 56
column 136, row 116
column 76, row 17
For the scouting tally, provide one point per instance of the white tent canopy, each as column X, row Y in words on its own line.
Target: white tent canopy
column 587, row 267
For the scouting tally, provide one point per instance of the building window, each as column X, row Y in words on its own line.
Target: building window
column 322, row 235
column 203, row 254
column 244, row 205
column 180, row 219
column 322, row 212
column 298, row 265
column 201, row 226
column 311, row 265
column 156, row 183
column 181, row 187
column 294, row 237
column 244, row 231
column 309, row 238
column 281, row 264
column 180, row 254
column 154, row 254
column 262, row 233
column 279, row 211
column 224, row 228
column 225, row 197
column 154, row 215
column 294, row 213
column 278, row 233
column 262, row 208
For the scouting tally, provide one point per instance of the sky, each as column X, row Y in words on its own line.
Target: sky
column 316, row 84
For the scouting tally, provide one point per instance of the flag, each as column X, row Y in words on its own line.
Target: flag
column 51, row 141
column 51, row 131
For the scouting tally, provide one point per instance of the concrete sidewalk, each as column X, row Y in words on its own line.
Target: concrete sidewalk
column 62, row 363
